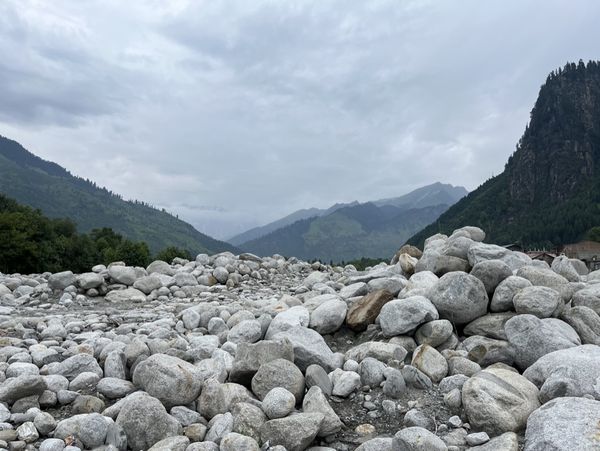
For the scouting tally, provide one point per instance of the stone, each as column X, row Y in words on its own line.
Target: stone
column 462, row 365
column 401, row 316
column 379, row 350
column 459, row 297
column 377, row 444
column 125, row 275
column 218, row 427
column 415, row 378
column 19, row 387
column 491, row 273
column 417, row 439
column 87, row 404
column 44, row 423
column 416, row 417
column 431, row 362
column 91, row 429
column 217, row 398
column 562, row 265
column 316, row 376
column 571, row 372
column 27, row 432
column 148, row 284
column 434, row 333
column 506, row 442
column 498, row 400
column 329, row 316
column 564, row 424
column 177, row 443
column 314, row 278
column 443, row 264
column 542, row 302
column 543, row 277
column 502, row 300
column 588, row 297
column 249, row 357
column 143, row 431
column 533, row 338
column 479, row 252
column 61, row 280
column 586, row 323
column 295, row 432
column 288, row 319
column 278, row 373
column 126, row 295
column 248, row 331
column 248, row 419
column 344, row 382
column 113, row 388
column 371, row 372
column 238, row 442
column 364, row 311
column 316, row 402
column 309, row 347
column 395, row 385
column 171, row 380
column 354, row 290
column 89, row 280
column 278, row 403
column 490, row 325
column 487, row 351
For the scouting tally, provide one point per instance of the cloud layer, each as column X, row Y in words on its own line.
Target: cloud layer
column 234, row 113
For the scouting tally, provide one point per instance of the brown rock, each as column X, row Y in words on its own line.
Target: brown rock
column 363, row 312
column 407, row 249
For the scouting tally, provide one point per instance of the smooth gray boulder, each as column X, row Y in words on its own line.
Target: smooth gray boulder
column 532, row 337
column 502, row 300
column 309, row 347
column 490, row 325
column 564, row 424
column 171, row 380
column 145, row 421
column 434, row 333
column 378, row 350
column 316, row 402
column 498, row 400
column 295, row 432
column 567, row 372
column 562, row 265
column 542, row 302
column 250, row 356
column 401, row 316
column 586, row 323
column 90, row 428
column 278, row 373
column 491, row 273
column 417, row 439
column 428, row 360
column 544, row 277
column 329, row 316
column 217, row 398
column 61, row 280
column 588, row 297
column 23, row 386
column 459, row 297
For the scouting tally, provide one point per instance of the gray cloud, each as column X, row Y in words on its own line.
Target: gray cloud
column 260, row 108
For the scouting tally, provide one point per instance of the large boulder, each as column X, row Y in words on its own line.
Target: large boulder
column 309, row 347
column 77, row 364
column 173, row 381
column 123, row 274
column 295, row 432
column 431, row 362
column 405, row 315
column 364, row 311
column 145, row 421
column 479, row 252
column 588, row 297
column 533, row 338
column 90, row 428
column 502, row 301
column 316, row 402
column 250, row 356
column 567, row 372
column 491, row 273
column 544, row 277
column 498, row 400
column 459, row 297
column 416, row 438
column 329, row 316
column 586, row 323
column 542, row 302
column 89, row 280
column 61, row 280
column 278, row 373
column 127, row 295
column 564, row 424
column 22, row 386
column 562, row 265
column 217, row 398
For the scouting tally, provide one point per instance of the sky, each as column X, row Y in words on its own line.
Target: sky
column 232, row 114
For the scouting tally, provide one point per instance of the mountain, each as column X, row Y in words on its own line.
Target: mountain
column 351, row 231
column 426, row 196
column 49, row 187
column 549, row 192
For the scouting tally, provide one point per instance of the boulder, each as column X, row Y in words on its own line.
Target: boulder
column 295, row 432
column 309, row 347
column 544, row 277
column 564, row 424
column 278, row 373
column 567, row 372
column 502, row 301
column 459, row 297
column 431, row 362
column 90, row 428
column 586, row 323
column 533, row 338
column 329, row 316
column 498, row 400
column 125, row 275
column 127, row 295
column 278, row 403
column 562, row 265
column 61, row 280
column 171, row 380
column 364, row 311
column 434, row 333
column 401, row 316
column 491, row 273
column 250, row 356
column 588, row 297
column 316, row 402
column 491, row 325
column 217, row 398
column 417, row 439
column 542, row 302
column 19, row 387
column 377, row 350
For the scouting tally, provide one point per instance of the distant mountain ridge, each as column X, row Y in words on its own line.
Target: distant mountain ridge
column 549, row 192
column 350, row 231
column 57, row 193
column 430, row 195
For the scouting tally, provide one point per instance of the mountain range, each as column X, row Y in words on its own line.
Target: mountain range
column 50, row 188
column 549, row 191
column 350, row 231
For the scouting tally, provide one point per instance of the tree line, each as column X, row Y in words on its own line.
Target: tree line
column 33, row 243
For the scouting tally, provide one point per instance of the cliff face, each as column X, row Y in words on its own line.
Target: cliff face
column 560, row 148
column 549, row 191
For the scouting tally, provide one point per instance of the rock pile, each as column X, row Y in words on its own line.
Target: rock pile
column 465, row 345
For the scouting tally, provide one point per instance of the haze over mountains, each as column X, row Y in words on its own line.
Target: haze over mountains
column 49, row 187
column 549, row 192
column 354, row 230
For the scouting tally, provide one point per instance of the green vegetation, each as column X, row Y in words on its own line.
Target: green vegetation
column 172, row 252
column 47, row 186
column 549, row 192
column 32, row 243
column 593, row 234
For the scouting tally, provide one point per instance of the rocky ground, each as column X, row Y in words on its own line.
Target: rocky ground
column 464, row 346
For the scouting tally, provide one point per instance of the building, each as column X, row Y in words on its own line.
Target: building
column 586, row 251
column 546, row 256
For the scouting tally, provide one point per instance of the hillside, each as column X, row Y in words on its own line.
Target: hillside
column 549, row 192
column 426, row 196
column 363, row 230
column 49, row 187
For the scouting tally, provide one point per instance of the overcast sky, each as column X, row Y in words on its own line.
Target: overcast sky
column 235, row 113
